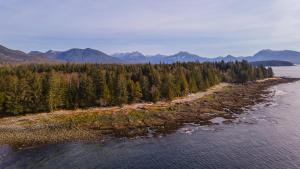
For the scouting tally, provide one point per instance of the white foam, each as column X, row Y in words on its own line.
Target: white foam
column 217, row 120
column 280, row 92
column 187, row 130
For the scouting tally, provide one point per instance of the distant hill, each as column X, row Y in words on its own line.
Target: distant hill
column 49, row 54
column 284, row 55
column 229, row 58
column 15, row 56
column 86, row 56
column 78, row 56
column 137, row 57
column 156, row 58
column 183, row 57
column 132, row 57
column 272, row 63
column 265, row 55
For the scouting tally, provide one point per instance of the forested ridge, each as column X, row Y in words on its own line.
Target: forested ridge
column 47, row 87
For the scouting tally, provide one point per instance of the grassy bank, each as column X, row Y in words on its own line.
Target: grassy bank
column 133, row 120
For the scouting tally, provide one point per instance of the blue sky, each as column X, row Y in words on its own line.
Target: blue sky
column 203, row 27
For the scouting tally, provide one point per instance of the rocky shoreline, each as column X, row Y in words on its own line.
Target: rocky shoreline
column 140, row 121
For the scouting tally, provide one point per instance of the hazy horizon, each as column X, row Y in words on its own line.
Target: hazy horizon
column 203, row 27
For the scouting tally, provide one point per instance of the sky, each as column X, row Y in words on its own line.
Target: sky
column 204, row 27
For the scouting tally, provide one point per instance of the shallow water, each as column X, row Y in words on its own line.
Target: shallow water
column 267, row 136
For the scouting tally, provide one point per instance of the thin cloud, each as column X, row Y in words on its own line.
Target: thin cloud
column 205, row 27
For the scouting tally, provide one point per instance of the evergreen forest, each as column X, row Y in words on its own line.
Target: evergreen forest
column 32, row 88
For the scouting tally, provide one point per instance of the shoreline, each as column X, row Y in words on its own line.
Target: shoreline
column 223, row 100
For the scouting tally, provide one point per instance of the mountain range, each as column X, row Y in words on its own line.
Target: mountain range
column 89, row 55
column 15, row 56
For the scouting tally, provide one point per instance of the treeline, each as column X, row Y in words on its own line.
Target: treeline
column 45, row 87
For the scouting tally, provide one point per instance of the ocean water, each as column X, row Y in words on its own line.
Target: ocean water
column 266, row 136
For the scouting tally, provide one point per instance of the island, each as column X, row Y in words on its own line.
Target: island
column 50, row 103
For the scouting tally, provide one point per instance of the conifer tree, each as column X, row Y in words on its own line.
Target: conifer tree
column 145, row 88
column 270, row 72
column 13, row 97
column 137, row 92
column 192, row 84
column 130, row 89
column 2, row 101
column 55, row 96
column 104, row 98
column 120, row 90
column 155, row 94
column 72, row 94
column 168, row 88
column 87, row 93
column 34, row 93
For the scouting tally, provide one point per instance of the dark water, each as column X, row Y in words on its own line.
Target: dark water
column 268, row 136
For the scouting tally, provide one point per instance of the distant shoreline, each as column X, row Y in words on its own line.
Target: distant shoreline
column 224, row 100
column 273, row 63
